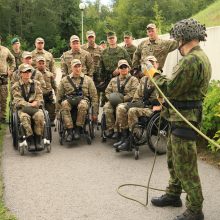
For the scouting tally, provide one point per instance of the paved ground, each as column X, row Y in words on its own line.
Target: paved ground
column 80, row 182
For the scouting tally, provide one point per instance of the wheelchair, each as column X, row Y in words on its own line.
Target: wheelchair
column 152, row 131
column 87, row 131
column 16, row 129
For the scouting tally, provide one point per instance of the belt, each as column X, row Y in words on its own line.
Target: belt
column 186, row 105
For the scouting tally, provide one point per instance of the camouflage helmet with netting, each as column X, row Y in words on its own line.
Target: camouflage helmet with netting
column 187, row 30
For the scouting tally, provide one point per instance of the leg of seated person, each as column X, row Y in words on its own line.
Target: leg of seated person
column 122, row 116
column 135, row 113
column 25, row 120
column 38, row 118
column 65, row 111
column 109, row 113
column 82, row 107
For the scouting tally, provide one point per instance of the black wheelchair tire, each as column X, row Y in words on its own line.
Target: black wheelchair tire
column 152, row 134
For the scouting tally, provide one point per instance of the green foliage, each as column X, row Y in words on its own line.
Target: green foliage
column 211, row 111
column 60, row 45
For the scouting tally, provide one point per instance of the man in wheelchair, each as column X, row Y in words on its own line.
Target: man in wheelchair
column 119, row 91
column 76, row 92
column 144, row 103
column 27, row 99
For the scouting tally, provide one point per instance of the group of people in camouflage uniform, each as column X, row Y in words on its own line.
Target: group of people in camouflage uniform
column 113, row 71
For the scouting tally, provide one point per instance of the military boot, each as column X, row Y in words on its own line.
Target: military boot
column 76, row 135
column 189, row 215
column 122, row 139
column 38, row 139
column 167, row 200
column 125, row 145
column 69, row 137
column 115, row 135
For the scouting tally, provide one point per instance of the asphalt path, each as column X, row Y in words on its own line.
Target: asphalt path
column 79, row 181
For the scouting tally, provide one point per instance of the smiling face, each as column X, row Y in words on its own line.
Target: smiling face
column 123, row 70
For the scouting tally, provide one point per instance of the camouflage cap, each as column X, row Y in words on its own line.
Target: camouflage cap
column 26, row 54
column 15, row 40
column 90, row 33
column 123, row 62
column 40, row 58
column 111, row 34
column 151, row 58
column 102, row 42
column 24, row 67
column 39, row 39
column 127, row 34
column 151, row 26
column 75, row 62
column 74, row 38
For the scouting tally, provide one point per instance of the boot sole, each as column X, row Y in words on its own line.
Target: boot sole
column 165, row 205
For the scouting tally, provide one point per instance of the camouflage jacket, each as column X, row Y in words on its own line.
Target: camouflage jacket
column 50, row 63
column 18, row 58
column 109, row 61
column 49, row 81
column 83, row 56
column 131, row 49
column 160, row 49
column 129, row 88
column 95, row 52
column 19, row 100
column 188, row 83
column 7, row 61
column 36, row 75
column 145, row 83
column 89, row 91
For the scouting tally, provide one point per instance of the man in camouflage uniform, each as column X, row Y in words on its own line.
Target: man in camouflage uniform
column 153, row 46
column 28, row 98
column 39, row 51
column 16, row 51
column 7, row 65
column 109, row 60
column 51, row 86
column 125, row 85
column 144, row 103
column 76, row 91
column 128, row 39
column 37, row 75
column 95, row 52
column 186, row 90
column 76, row 53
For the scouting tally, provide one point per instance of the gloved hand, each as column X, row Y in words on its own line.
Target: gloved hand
column 148, row 69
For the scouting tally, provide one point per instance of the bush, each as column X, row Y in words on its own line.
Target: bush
column 211, row 112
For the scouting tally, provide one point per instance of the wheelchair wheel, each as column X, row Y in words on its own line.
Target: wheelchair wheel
column 10, row 119
column 15, row 130
column 136, row 154
column 103, row 128
column 21, row 150
column 48, row 133
column 61, row 130
column 91, row 129
column 157, row 134
column 89, row 140
column 138, row 134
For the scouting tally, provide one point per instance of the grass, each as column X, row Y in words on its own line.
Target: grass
column 4, row 212
column 210, row 16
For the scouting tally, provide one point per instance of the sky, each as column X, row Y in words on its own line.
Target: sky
column 104, row 2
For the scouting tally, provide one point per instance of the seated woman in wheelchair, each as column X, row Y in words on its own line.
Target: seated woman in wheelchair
column 119, row 91
column 27, row 99
column 144, row 103
column 76, row 91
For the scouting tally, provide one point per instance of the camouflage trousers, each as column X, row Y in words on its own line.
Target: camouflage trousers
column 122, row 116
column 82, row 110
column 51, row 108
column 134, row 113
column 183, row 169
column 109, row 111
column 3, row 100
column 38, row 120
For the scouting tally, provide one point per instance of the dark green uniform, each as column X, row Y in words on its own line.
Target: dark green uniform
column 18, row 58
column 131, row 49
column 186, row 90
column 109, row 61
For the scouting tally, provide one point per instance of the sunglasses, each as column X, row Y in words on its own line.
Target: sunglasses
column 40, row 42
column 123, row 67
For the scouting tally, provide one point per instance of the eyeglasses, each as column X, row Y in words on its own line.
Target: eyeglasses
column 123, row 67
